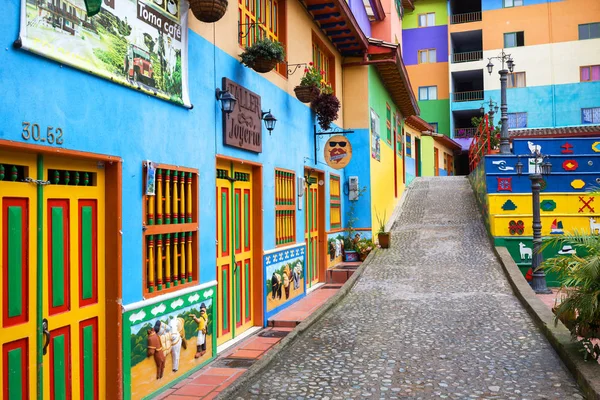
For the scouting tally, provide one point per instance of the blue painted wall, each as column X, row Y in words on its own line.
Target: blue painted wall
column 546, row 106
column 410, row 169
column 433, row 37
column 101, row 117
column 359, row 166
column 487, row 5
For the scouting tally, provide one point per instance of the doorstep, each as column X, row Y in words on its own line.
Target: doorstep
column 229, row 365
column 341, row 272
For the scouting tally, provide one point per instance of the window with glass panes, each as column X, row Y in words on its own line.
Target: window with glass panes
column 335, row 206
column 590, row 115
column 589, row 73
column 270, row 16
column 514, row 39
column 516, row 80
column 589, row 31
column 435, row 126
column 513, row 3
column 427, row 56
column 517, row 120
column 428, row 93
column 427, row 19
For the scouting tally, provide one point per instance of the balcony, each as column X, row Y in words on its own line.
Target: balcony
column 467, row 56
column 462, row 122
column 471, row 95
column 464, row 18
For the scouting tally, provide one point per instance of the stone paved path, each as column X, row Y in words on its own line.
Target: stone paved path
column 433, row 317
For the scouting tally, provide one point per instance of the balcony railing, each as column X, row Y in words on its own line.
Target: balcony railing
column 468, row 96
column 465, row 18
column 467, row 56
column 461, row 133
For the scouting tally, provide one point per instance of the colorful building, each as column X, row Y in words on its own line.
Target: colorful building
column 553, row 44
column 134, row 206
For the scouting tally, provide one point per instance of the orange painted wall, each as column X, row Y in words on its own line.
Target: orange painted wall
column 430, row 75
column 390, row 29
column 542, row 23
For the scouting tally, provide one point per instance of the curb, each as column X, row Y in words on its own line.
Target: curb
column 587, row 374
column 273, row 354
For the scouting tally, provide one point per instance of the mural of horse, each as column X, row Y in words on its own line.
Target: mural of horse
column 155, row 349
column 276, row 285
column 172, row 338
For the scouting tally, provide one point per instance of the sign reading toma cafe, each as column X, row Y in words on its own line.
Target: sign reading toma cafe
column 242, row 128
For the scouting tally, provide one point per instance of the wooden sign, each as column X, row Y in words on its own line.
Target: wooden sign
column 338, row 152
column 243, row 127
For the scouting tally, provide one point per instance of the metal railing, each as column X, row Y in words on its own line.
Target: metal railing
column 467, row 56
column 472, row 95
column 465, row 18
column 462, row 133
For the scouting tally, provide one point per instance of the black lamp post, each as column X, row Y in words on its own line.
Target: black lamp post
column 543, row 167
column 493, row 109
column 505, row 58
column 269, row 120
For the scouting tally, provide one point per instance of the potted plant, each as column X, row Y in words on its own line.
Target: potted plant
column 383, row 237
column 208, row 10
column 579, row 274
column 326, row 106
column 263, row 55
column 364, row 247
column 308, row 90
column 350, row 253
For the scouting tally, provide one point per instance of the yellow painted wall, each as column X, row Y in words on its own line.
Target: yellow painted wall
column 382, row 186
column 299, row 25
column 567, row 211
column 356, row 89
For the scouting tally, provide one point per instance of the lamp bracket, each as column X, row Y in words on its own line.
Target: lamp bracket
column 291, row 71
column 334, row 131
column 250, row 26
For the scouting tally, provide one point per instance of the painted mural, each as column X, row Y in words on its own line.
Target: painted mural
column 284, row 274
column 167, row 339
column 140, row 44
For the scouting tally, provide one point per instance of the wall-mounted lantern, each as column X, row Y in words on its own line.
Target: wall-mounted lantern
column 269, row 120
column 227, row 101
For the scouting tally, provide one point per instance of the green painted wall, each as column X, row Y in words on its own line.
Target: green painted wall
column 378, row 96
column 439, row 7
column 427, row 164
column 437, row 111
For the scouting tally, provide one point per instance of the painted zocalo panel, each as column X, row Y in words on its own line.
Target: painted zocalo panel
column 556, row 204
column 516, row 226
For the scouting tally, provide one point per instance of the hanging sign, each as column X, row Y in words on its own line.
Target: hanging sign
column 338, row 152
column 242, row 128
column 141, row 44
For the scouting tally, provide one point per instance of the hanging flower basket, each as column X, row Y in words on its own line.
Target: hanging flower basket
column 306, row 94
column 208, row 10
column 263, row 65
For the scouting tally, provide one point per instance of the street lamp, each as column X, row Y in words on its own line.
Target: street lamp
column 505, row 58
column 269, row 120
column 542, row 167
column 493, row 109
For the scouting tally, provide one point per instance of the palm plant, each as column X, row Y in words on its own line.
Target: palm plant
column 579, row 275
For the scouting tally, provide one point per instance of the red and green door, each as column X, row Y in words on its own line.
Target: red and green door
column 235, row 294
column 52, row 292
column 312, row 229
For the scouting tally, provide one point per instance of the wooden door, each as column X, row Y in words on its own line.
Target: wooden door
column 61, row 217
column 234, row 251
column 311, row 230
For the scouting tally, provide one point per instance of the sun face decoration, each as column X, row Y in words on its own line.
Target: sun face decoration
column 338, row 152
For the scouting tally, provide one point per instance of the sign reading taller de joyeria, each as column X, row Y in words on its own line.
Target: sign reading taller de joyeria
column 243, row 128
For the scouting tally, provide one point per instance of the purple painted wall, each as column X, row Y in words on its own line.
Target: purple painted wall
column 434, row 37
column 360, row 14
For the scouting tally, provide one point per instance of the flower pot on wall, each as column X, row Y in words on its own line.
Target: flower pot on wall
column 384, row 240
column 208, row 10
column 306, row 94
column 350, row 256
column 263, row 65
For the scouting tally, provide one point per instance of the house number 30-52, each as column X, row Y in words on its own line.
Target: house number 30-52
column 33, row 132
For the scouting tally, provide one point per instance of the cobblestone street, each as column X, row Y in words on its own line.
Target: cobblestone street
column 432, row 317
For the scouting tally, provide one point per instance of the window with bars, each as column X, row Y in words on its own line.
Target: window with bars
column 517, row 120
column 589, row 73
column 171, row 230
column 323, row 60
column 590, row 115
column 335, row 206
column 516, row 80
column 285, row 207
column 269, row 15
column 388, row 123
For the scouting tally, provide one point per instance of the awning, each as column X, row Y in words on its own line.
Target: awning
column 338, row 23
column 408, row 4
column 567, row 131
